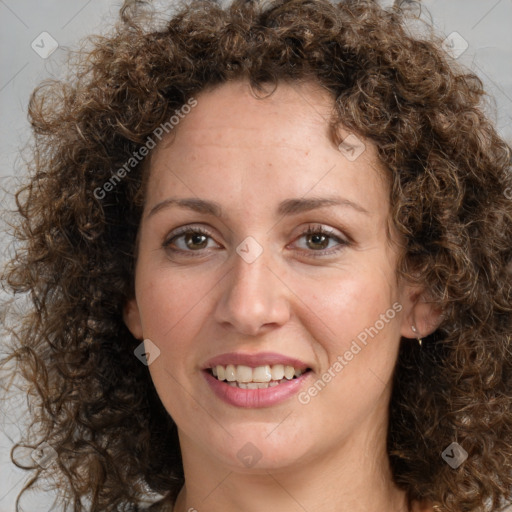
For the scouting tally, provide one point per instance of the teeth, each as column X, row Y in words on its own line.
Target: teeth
column 256, row 385
column 262, row 374
column 277, row 372
column 261, row 377
column 230, row 373
column 243, row 373
column 289, row 372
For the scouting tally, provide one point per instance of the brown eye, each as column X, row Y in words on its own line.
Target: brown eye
column 317, row 240
column 188, row 240
column 194, row 239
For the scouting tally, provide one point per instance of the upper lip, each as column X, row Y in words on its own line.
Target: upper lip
column 254, row 360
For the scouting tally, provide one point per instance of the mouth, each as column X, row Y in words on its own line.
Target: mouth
column 259, row 377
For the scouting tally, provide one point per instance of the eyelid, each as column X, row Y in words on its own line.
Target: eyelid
column 315, row 228
column 343, row 240
column 182, row 230
column 187, row 228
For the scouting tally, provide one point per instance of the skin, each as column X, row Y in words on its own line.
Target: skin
column 248, row 155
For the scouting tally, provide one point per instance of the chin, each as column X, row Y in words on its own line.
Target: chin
column 257, row 447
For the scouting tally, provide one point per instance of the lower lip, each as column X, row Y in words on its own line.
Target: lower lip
column 255, row 398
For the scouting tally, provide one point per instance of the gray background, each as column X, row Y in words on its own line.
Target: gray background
column 484, row 24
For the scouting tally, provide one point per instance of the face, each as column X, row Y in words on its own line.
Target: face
column 231, row 277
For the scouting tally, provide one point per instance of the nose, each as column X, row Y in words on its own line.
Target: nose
column 253, row 297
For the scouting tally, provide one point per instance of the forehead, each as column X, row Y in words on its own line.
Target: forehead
column 234, row 143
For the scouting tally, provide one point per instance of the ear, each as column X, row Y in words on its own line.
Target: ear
column 131, row 317
column 420, row 311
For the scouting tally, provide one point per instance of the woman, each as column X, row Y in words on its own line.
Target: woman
column 268, row 250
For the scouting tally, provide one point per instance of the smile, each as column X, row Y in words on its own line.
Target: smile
column 261, row 377
column 251, row 393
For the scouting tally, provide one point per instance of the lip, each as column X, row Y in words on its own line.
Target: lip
column 254, row 360
column 254, row 398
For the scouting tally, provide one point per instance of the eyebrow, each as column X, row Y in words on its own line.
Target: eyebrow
column 285, row 208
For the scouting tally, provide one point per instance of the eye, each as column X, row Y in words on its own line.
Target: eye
column 193, row 240
column 188, row 239
column 318, row 238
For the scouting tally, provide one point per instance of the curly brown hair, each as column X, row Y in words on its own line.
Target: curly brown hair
column 75, row 247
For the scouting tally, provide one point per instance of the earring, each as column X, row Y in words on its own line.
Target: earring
column 415, row 331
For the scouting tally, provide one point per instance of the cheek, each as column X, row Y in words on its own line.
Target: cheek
column 174, row 307
column 168, row 297
column 355, row 322
column 344, row 307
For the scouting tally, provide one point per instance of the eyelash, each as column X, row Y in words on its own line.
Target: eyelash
column 310, row 230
